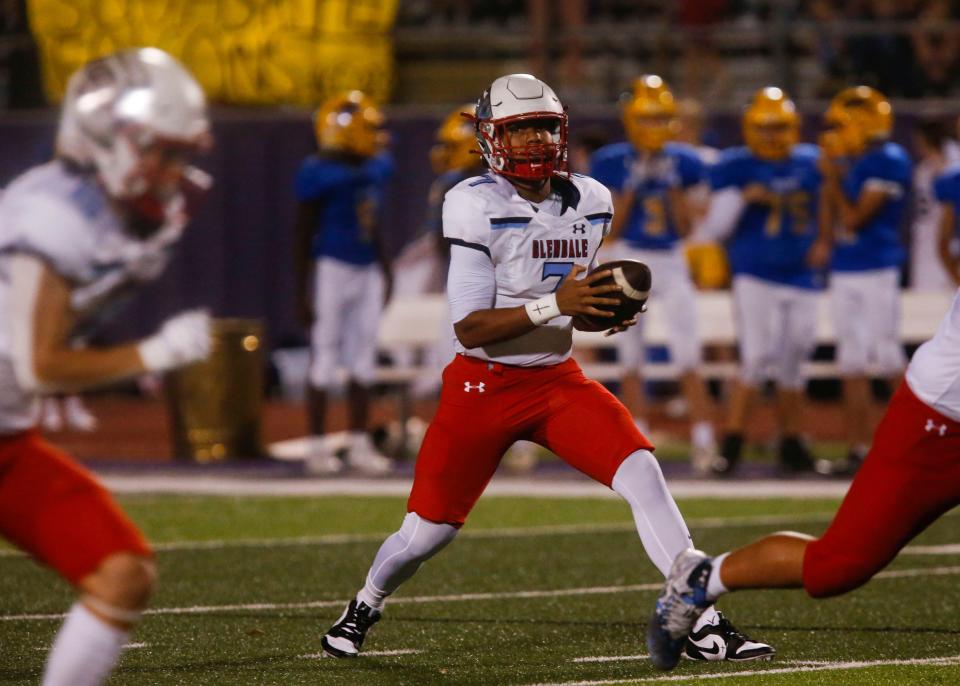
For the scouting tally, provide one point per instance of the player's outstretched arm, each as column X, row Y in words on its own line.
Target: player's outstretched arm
column 41, row 320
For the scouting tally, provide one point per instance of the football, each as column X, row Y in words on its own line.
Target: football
column 635, row 279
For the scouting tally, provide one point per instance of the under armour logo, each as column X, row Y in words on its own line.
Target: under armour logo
column 579, row 228
column 932, row 426
column 467, row 387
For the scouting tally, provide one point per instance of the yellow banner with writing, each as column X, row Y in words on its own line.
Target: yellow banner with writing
column 263, row 52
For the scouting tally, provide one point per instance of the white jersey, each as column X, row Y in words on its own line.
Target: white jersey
column 532, row 247
column 64, row 218
column 934, row 371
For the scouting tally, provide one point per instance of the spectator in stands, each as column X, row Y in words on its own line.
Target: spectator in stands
column 937, row 50
column 339, row 245
column 935, row 150
column 567, row 25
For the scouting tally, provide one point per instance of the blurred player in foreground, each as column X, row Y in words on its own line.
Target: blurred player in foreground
column 520, row 236
column 78, row 235
column 651, row 178
column 765, row 203
column 344, row 277
column 866, row 180
column 910, row 477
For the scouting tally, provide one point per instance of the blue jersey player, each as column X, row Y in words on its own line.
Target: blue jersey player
column 866, row 178
column 765, row 201
column 340, row 191
column 422, row 265
column 946, row 190
column 651, row 179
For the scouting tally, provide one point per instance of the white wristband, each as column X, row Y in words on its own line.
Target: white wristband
column 543, row 309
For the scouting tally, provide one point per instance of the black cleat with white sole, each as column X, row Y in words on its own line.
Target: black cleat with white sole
column 721, row 641
column 345, row 638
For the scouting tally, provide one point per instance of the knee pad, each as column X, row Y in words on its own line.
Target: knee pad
column 322, row 372
column 685, row 354
column 752, row 371
column 891, row 359
column 363, row 369
column 790, row 370
column 631, row 352
column 424, row 538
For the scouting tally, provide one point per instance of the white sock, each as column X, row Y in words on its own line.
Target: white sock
column 661, row 527
column 372, row 596
column 701, row 435
column 85, row 651
column 715, row 587
column 401, row 555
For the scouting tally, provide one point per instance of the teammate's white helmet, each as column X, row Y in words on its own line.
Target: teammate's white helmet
column 117, row 105
column 514, row 98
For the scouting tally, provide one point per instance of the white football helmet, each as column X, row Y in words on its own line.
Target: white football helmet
column 118, row 105
column 513, row 98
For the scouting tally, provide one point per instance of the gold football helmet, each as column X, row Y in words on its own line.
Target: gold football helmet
column 855, row 118
column 650, row 114
column 455, row 146
column 350, row 123
column 771, row 125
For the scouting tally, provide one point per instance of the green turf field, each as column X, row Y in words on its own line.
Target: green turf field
column 528, row 591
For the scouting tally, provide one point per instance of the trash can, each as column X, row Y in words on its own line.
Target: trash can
column 215, row 405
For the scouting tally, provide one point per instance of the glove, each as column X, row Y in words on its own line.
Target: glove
column 181, row 340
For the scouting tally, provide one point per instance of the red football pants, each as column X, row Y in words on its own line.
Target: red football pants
column 56, row 511
column 910, row 477
column 485, row 407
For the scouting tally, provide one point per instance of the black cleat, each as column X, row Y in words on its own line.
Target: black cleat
column 794, row 457
column 846, row 467
column 345, row 638
column 730, row 450
column 722, row 641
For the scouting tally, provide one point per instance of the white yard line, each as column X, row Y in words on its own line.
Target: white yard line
column 833, row 666
column 129, row 646
column 505, row 532
column 610, row 658
column 225, row 484
column 463, row 597
column 946, row 549
column 369, row 653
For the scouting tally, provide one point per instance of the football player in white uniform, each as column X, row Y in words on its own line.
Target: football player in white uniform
column 520, row 236
column 77, row 235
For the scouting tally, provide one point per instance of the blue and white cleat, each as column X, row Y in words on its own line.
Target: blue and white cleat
column 681, row 602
